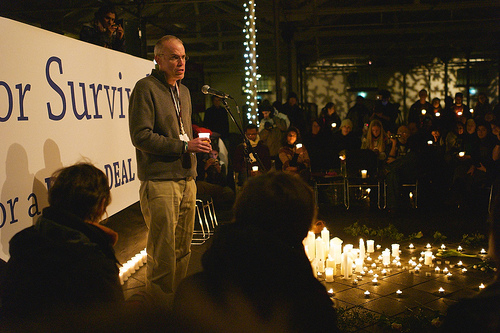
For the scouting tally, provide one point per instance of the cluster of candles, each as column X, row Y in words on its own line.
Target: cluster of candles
column 329, row 259
column 132, row 265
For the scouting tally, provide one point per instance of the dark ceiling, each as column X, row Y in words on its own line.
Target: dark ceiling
column 405, row 32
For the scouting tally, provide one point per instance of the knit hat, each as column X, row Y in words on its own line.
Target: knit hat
column 346, row 122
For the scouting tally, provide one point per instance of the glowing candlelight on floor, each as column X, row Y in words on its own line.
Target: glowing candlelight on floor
column 429, row 142
column 461, row 154
column 375, row 281
column 255, row 168
column 428, row 258
column 367, row 294
column 437, row 270
column 379, row 246
column 355, row 282
column 399, row 292
column 481, row 286
column 329, row 274
column 370, row 246
column 445, row 270
column 448, row 275
column 205, row 136
column 441, row 290
column 417, row 269
column 364, row 173
column 370, row 272
column 464, row 270
column 460, row 263
column 395, row 250
column 330, row 291
column 384, row 271
column 483, row 251
column 411, row 246
column 459, row 248
column 443, row 246
column 428, row 245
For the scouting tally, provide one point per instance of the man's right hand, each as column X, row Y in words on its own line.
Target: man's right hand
column 199, row 145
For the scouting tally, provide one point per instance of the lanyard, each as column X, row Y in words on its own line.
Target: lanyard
column 174, row 92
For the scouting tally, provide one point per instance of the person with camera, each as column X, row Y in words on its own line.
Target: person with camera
column 105, row 30
column 401, row 167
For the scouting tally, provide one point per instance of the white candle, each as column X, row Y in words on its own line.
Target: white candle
column 428, row 258
column 329, row 274
column 255, row 168
column 395, row 250
column 441, row 290
column 386, row 257
column 336, row 244
column 320, row 249
column 459, row 248
column 364, row 173
column 309, row 241
column 437, row 270
column 330, row 263
column 325, row 235
column 370, row 246
column 204, row 136
column 411, row 246
column 362, row 250
column 399, row 292
column 359, row 265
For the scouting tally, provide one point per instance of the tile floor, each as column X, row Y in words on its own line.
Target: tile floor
column 418, row 290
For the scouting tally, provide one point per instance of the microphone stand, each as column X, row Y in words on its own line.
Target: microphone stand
column 248, row 149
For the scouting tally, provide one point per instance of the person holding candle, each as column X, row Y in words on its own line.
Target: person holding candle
column 162, row 134
column 256, row 270
column 66, row 260
column 294, row 156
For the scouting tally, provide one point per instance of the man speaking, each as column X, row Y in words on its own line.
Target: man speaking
column 160, row 129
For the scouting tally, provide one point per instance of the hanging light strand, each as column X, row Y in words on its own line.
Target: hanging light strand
column 251, row 67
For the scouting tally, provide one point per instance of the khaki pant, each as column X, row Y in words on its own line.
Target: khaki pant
column 168, row 208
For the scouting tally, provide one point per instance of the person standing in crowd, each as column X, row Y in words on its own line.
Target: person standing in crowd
column 359, row 114
column 216, row 118
column 104, row 31
column 160, row 129
column 329, row 119
column 385, row 111
column 420, row 109
column 65, row 262
column 482, row 107
column 460, row 110
column 256, row 271
column 296, row 115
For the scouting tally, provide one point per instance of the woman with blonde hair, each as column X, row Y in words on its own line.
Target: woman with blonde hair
column 376, row 139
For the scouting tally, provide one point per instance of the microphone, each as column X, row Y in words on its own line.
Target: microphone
column 207, row 90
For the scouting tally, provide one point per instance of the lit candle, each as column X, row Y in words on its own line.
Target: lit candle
column 384, row 271
column 461, row 154
column 364, row 173
column 429, row 142
column 204, row 136
column 464, row 270
column 309, row 242
column 438, row 114
column 445, row 270
column 441, row 290
column 298, row 145
column 379, row 246
column 459, row 248
column 460, row 263
column 428, row 258
column 437, row 270
column 359, row 265
column 428, row 246
column 320, row 249
column 411, row 246
column 375, row 281
column 443, row 246
column 255, row 168
column 330, row 292
column 355, row 282
column 329, row 274
column 386, row 257
column 481, row 286
column 334, row 125
column 448, row 276
column 325, row 235
column 483, row 251
column 367, row 294
column 395, row 250
column 423, row 112
column 399, row 292
column 336, row 244
column 417, row 269
column 370, row 246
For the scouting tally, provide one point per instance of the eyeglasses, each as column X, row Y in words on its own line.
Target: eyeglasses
column 176, row 58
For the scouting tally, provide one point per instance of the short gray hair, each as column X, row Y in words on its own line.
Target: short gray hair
column 159, row 44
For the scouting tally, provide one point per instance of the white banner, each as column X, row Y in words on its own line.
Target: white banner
column 61, row 101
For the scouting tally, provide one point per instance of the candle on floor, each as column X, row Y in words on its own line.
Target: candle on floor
column 445, row 270
column 411, row 246
column 428, row 246
column 367, row 294
column 375, row 281
column 437, row 270
column 441, row 290
column 362, row 250
column 481, row 286
column 325, row 235
column 395, row 250
column 329, row 274
column 336, row 244
column 399, row 292
column 443, row 246
column 428, row 258
column 370, row 246
column 459, row 249
column 320, row 249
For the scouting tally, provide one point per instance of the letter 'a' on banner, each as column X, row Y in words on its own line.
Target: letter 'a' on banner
column 62, row 101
